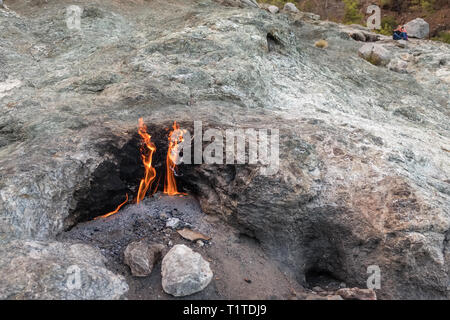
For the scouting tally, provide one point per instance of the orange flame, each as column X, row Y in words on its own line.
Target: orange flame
column 113, row 212
column 147, row 150
column 175, row 137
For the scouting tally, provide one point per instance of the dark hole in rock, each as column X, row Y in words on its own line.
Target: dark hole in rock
column 316, row 277
column 273, row 43
column 113, row 179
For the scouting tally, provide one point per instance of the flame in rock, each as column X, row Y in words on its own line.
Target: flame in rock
column 113, row 212
column 175, row 138
column 147, row 150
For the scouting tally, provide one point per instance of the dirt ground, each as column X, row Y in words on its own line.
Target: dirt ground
column 241, row 268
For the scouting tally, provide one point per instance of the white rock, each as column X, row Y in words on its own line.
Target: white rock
column 173, row 223
column 290, row 7
column 273, row 9
column 184, row 272
column 418, row 28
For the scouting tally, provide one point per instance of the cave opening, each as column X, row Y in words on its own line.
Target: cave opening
column 116, row 180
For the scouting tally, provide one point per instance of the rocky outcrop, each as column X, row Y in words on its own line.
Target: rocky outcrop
column 184, row 272
column 418, row 28
column 53, row 271
column 364, row 171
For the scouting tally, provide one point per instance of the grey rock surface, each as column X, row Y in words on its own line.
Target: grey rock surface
column 141, row 256
column 184, row 272
column 418, row 28
column 364, row 162
column 54, row 270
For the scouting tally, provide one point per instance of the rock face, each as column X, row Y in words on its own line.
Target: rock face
column 184, row 272
column 375, row 54
column 141, row 256
column 53, row 270
column 418, row 28
column 364, row 175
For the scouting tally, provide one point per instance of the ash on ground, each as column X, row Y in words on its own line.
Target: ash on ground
column 241, row 268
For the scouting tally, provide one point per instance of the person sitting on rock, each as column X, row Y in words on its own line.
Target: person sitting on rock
column 400, row 33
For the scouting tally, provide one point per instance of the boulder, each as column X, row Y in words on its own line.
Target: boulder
column 54, row 270
column 418, row 28
column 273, row 9
column 141, row 256
column 375, row 54
column 184, row 272
column 290, row 7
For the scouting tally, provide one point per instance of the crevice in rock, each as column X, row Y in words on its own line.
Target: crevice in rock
column 273, row 42
column 121, row 173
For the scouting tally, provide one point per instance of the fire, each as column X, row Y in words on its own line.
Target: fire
column 175, row 138
column 115, row 211
column 147, row 150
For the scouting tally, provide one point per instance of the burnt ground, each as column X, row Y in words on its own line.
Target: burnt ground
column 241, row 268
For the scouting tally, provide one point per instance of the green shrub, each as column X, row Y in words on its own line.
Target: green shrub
column 443, row 36
column 388, row 24
column 427, row 5
column 352, row 14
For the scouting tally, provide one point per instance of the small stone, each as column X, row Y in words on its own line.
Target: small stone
column 200, row 243
column 141, row 256
column 184, row 272
column 173, row 223
column 273, row 9
column 163, row 216
column 317, row 289
column 290, row 7
column 357, row 294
